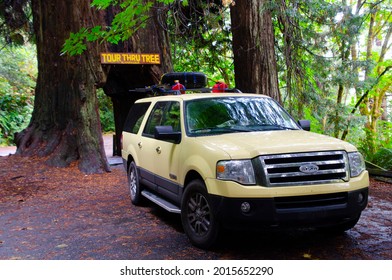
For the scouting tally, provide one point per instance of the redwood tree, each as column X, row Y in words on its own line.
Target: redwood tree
column 253, row 47
column 65, row 124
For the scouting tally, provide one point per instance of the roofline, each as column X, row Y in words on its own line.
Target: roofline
column 193, row 96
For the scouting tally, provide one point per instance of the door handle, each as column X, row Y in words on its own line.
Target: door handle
column 158, row 150
column 140, row 145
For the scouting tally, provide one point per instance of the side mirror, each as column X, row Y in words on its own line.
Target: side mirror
column 304, row 124
column 166, row 133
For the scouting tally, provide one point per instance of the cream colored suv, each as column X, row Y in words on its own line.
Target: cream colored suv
column 239, row 160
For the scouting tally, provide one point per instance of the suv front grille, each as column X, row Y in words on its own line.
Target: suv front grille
column 297, row 202
column 305, row 168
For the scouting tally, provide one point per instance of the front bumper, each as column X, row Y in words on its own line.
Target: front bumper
column 291, row 211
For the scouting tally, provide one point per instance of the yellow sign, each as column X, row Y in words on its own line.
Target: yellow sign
column 130, row 58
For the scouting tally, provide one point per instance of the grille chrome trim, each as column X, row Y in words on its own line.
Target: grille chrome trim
column 284, row 169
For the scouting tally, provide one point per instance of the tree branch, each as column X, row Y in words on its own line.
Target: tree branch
column 367, row 92
column 345, row 132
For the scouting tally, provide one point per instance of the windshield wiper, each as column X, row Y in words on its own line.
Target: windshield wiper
column 221, row 129
column 267, row 127
column 207, row 129
column 283, row 127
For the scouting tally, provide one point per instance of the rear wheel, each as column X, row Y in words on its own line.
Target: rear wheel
column 197, row 215
column 134, row 184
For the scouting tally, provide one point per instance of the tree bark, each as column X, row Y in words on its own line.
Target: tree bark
column 65, row 125
column 253, row 46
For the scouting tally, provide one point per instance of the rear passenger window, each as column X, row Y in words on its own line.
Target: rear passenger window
column 135, row 117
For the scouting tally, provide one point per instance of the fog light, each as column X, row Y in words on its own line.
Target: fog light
column 360, row 198
column 245, row 207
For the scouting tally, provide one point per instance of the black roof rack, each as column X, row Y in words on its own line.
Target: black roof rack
column 192, row 81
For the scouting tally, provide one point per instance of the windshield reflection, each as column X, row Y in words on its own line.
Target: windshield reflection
column 235, row 114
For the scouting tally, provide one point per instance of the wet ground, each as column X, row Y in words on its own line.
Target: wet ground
column 54, row 213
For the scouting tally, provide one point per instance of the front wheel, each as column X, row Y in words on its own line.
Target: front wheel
column 134, row 184
column 197, row 215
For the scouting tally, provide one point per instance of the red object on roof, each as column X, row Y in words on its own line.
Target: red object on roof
column 219, row 87
column 178, row 86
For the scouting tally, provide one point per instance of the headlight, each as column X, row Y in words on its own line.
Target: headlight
column 240, row 171
column 357, row 164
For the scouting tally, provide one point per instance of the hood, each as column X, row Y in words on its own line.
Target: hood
column 252, row 144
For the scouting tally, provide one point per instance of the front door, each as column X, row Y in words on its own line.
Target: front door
column 162, row 156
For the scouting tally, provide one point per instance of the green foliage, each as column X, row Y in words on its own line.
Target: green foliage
column 326, row 66
column 75, row 44
column 382, row 140
column 205, row 48
column 15, row 111
column 103, row 4
column 316, row 125
column 383, row 158
column 202, row 42
column 105, row 112
column 132, row 17
column 18, row 66
column 18, row 70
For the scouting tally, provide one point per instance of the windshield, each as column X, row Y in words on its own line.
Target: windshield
column 235, row 114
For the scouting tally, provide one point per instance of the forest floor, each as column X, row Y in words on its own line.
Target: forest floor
column 61, row 213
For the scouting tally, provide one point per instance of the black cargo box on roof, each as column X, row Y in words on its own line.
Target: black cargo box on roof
column 191, row 80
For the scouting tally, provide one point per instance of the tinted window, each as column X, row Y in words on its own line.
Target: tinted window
column 164, row 114
column 135, row 117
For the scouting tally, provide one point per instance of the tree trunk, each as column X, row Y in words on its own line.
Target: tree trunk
column 65, row 125
column 253, row 46
column 122, row 79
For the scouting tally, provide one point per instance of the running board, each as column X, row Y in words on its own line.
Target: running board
column 168, row 206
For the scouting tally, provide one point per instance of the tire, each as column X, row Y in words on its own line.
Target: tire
column 197, row 215
column 134, row 184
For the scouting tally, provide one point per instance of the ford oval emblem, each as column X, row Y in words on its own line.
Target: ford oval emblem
column 309, row 168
